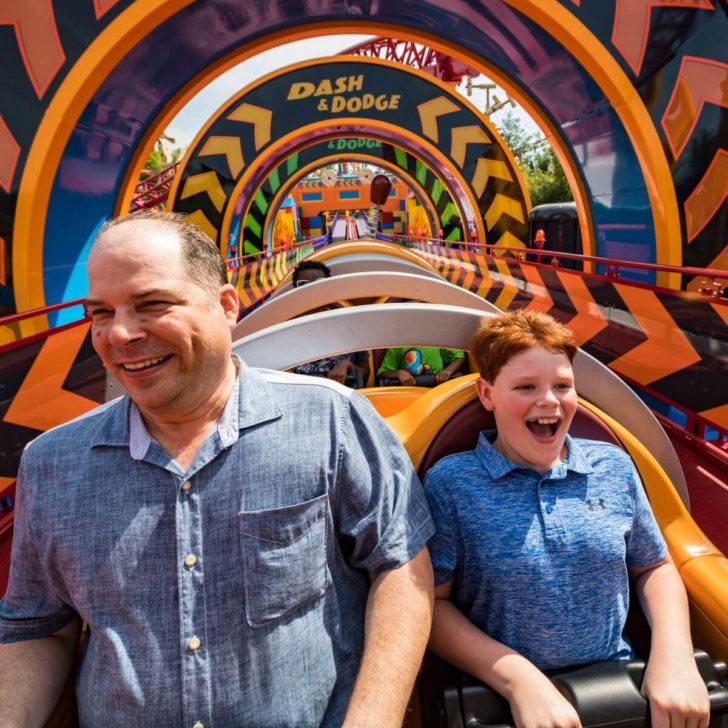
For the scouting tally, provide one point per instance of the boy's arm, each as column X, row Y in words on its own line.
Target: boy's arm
column 672, row 684
column 533, row 699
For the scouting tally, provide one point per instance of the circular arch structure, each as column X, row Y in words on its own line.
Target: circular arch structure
column 258, row 210
column 633, row 99
column 417, row 189
column 255, row 129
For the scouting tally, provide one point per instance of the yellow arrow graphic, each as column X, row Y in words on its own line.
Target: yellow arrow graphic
column 41, row 401
column 230, row 147
column 510, row 287
column 487, row 281
column 541, row 300
column 509, row 240
column 430, row 111
column 205, row 182
column 489, row 168
column 464, row 135
column 667, row 349
column 503, row 205
column 589, row 319
column 259, row 117
column 200, row 219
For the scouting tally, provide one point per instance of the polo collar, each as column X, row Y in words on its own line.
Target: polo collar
column 499, row 466
column 251, row 402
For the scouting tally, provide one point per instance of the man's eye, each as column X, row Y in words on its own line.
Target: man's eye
column 98, row 313
column 155, row 304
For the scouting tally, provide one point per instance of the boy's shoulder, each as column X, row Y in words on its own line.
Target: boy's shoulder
column 455, row 468
column 599, row 452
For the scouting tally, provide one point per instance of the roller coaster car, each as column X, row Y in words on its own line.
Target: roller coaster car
column 434, row 422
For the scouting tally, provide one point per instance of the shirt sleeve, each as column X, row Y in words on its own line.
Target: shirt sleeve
column 30, row 608
column 379, row 505
column 390, row 363
column 443, row 546
column 449, row 355
column 645, row 543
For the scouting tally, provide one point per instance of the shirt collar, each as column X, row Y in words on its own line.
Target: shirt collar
column 250, row 403
column 499, row 466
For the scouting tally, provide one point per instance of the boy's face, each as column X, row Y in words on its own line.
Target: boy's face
column 533, row 400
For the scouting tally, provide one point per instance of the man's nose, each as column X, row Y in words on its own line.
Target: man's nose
column 124, row 329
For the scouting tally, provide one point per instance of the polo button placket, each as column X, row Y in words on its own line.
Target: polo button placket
column 548, row 508
column 196, row 677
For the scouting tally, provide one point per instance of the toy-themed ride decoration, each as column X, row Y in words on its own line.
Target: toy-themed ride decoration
column 249, row 134
column 259, row 209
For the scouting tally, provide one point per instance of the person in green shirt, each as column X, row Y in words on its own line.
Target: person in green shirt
column 405, row 363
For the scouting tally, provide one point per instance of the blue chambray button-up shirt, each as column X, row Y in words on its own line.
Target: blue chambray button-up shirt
column 232, row 594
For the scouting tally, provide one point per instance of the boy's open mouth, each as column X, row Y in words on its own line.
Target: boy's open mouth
column 543, row 426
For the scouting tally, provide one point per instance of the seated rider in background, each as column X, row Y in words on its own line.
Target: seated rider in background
column 354, row 365
column 405, row 363
column 537, row 537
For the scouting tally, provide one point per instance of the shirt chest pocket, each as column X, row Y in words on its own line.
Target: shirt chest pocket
column 284, row 559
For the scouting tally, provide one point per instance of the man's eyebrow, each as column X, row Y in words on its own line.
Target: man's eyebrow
column 162, row 292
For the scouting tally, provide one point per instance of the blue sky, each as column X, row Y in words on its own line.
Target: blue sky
column 193, row 116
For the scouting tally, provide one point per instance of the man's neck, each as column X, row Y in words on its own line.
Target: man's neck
column 182, row 434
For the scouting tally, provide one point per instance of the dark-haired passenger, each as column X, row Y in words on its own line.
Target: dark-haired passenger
column 342, row 368
column 537, row 536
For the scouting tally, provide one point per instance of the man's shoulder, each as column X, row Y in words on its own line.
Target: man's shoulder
column 68, row 436
column 301, row 385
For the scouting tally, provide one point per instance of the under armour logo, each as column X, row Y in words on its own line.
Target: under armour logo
column 599, row 503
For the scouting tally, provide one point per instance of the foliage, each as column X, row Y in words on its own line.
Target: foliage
column 159, row 159
column 541, row 169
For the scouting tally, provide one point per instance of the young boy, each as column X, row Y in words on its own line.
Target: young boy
column 538, row 535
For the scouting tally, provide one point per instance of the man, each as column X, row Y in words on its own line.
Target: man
column 224, row 533
column 340, row 367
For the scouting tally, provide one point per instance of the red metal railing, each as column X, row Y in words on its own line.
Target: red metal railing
column 154, row 190
column 613, row 267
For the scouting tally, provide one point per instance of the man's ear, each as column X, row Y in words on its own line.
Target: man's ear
column 483, row 388
column 230, row 304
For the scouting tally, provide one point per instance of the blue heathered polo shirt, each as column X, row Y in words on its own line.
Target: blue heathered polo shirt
column 539, row 562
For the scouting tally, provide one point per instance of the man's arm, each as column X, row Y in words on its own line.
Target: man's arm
column 532, row 696
column 398, row 617
column 32, row 676
column 676, row 692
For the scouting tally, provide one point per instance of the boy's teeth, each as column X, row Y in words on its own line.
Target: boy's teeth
column 547, row 420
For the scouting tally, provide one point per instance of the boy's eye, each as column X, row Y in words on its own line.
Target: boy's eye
column 154, row 304
column 97, row 313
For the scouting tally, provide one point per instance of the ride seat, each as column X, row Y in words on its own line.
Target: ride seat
column 461, row 431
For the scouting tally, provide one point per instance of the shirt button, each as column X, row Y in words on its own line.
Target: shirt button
column 186, row 486
column 194, row 643
column 190, row 560
column 549, row 508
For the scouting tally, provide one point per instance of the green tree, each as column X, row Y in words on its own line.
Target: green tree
column 537, row 160
column 158, row 160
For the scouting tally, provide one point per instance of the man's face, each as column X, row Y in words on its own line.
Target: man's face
column 165, row 338
column 534, row 401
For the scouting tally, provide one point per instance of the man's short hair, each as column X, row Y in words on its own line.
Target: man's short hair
column 201, row 258
column 310, row 265
column 499, row 338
